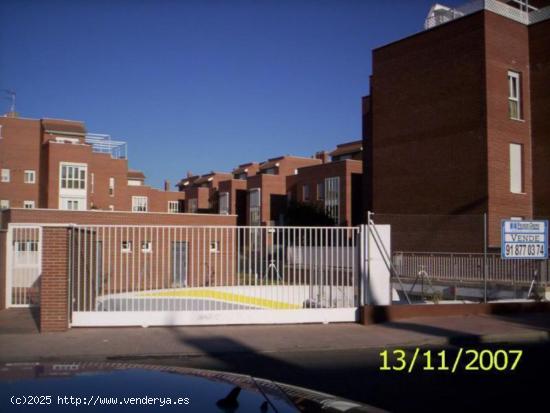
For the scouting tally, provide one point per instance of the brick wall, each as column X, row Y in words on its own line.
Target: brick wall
column 506, row 48
column 437, row 126
column 20, row 150
column 313, row 175
column 539, row 50
column 428, row 140
column 44, row 216
column 270, row 185
column 232, row 186
column 54, row 295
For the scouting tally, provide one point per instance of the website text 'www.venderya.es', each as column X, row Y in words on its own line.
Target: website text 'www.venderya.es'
column 38, row 400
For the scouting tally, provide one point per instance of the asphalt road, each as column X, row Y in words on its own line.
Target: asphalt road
column 355, row 374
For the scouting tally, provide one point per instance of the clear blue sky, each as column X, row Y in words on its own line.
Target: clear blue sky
column 200, row 85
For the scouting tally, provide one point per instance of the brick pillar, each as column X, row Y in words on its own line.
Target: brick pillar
column 54, row 287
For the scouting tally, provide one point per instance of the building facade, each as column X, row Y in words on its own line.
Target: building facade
column 56, row 164
column 260, row 193
column 457, row 120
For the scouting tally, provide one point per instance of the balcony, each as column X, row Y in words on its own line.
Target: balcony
column 104, row 144
column 523, row 13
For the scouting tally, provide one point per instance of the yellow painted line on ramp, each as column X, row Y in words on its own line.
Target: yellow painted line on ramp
column 225, row 296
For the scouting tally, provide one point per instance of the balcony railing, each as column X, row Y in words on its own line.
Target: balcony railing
column 526, row 17
column 104, row 144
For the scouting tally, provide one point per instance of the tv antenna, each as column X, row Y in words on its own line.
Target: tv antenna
column 11, row 96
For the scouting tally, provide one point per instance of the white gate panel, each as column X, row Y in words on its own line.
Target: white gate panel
column 183, row 275
column 230, row 317
column 24, row 265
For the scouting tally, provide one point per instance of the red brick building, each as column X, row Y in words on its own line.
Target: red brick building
column 56, row 164
column 458, row 117
column 201, row 192
column 233, row 192
column 267, row 191
column 259, row 193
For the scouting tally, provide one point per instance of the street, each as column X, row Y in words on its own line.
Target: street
column 355, row 374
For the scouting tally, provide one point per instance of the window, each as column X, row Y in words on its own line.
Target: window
column 73, row 176
column 514, row 95
column 516, row 168
column 4, row 204
column 255, row 207
column 139, row 204
column 112, row 186
column 126, row 246
column 224, row 203
column 269, row 171
column 146, row 246
column 173, row 206
column 5, row 175
column 29, row 177
column 320, row 191
column 332, row 198
column 214, row 246
column 192, row 205
column 305, row 193
column 240, row 176
column 73, row 204
column 28, row 204
column 20, row 246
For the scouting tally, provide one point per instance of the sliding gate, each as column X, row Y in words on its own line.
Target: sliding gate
column 189, row 275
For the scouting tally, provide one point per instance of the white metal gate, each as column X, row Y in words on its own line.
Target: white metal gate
column 24, row 261
column 190, row 275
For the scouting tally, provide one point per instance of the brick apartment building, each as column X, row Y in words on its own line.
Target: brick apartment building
column 335, row 185
column 259, row 193
column 267, row 191
column 233, row 192
column 201, row 192
column 458, row 122
column 56, row 164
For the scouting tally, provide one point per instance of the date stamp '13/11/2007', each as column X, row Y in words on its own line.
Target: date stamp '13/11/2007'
column 442, row 361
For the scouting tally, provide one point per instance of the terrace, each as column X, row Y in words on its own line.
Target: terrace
column 104, row 144
column 516, row 10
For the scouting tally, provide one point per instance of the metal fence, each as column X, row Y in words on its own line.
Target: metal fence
column 24, row 258
column 470, row 267
column 192, row 269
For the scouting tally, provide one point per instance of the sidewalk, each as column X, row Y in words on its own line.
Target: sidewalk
column 20, row 341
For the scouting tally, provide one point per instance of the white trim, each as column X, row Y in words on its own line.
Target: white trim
column 514, row 93
column 226, row 317
column 9, row 265
column 258, row 207
column 136, row 198
column 32, row 173
column 224, row 207
column 172, row 203
column 5, row 175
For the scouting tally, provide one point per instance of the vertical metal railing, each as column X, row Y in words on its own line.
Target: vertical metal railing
column 470, row 267
column 192, row 268
column 24, row 263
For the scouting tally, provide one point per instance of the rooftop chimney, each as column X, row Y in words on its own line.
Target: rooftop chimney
column 322, row 155
column 166, row 185
column 189, row 174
